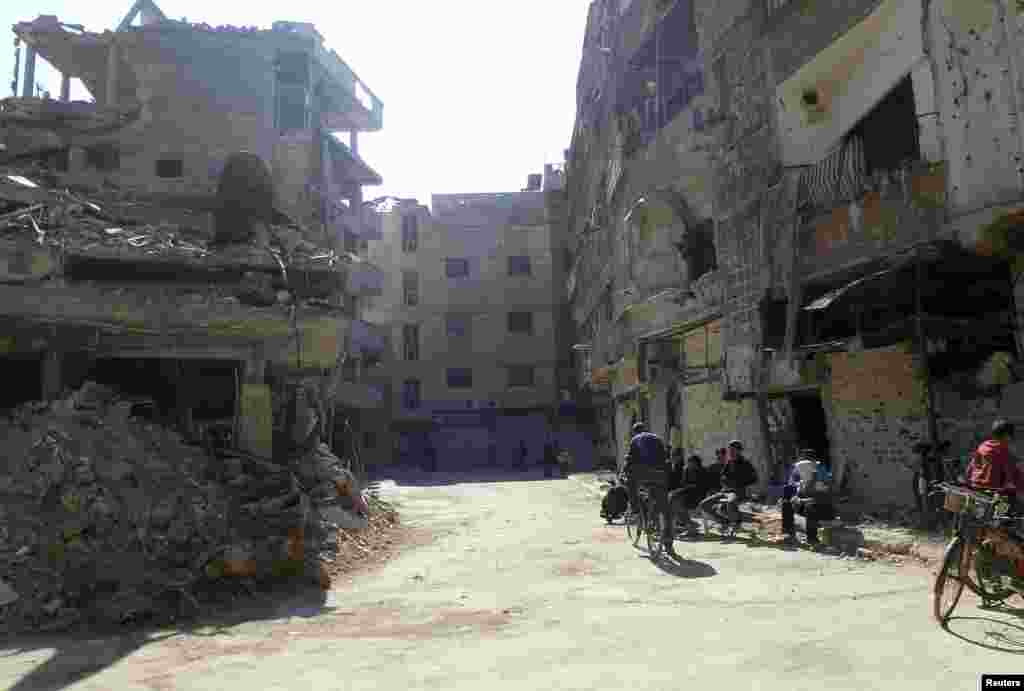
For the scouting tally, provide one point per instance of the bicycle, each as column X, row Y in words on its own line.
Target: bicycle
column 980, row 529
column 929, row 472
column 728, row 530
column 641, row 522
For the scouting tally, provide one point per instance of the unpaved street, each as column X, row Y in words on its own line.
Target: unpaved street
column 522, row 587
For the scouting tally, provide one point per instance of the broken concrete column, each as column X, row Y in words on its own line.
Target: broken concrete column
column 52, row 380
column 113, row 63
column 28, row 89
column 255, row 416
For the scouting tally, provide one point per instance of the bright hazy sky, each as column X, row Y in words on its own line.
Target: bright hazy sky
column 477, row 93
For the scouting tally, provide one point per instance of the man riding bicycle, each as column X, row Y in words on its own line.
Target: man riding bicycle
column 646, row 466
column 737, row 474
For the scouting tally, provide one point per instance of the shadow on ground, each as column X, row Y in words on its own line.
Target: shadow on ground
column 988, row 632
column 681, row 567
column 73, row 657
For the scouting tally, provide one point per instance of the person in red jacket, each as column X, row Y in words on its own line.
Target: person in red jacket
column 993, row 468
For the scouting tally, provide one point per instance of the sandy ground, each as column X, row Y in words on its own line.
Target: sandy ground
column 518, row 584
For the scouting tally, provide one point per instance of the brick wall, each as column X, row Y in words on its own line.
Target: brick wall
column 876, row 410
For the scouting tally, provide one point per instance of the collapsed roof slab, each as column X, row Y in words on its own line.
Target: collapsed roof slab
column 78, row 54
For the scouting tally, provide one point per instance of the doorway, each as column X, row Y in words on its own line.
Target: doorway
column 810, row 424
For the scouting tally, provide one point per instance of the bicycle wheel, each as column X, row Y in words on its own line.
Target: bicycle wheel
column 652, row 529
column 949, row 584
column 635, row 524
column 990, row 587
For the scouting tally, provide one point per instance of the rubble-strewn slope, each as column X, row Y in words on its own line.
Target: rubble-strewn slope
column 108, row 516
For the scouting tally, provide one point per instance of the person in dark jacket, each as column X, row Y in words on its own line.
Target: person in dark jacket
column 688, row 490
column 646, row 465
column 737, row 475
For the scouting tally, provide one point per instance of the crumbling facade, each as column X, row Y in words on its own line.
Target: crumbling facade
column 219, row 307
column 477, row 307
column 861, row 226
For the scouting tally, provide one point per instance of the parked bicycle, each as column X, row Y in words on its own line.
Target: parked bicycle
column 986, row 554
column 931, row 470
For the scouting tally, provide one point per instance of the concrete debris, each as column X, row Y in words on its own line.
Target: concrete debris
column 7, row 594
column 110, row 222
column 111, row 517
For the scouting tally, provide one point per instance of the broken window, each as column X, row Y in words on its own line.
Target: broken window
column 411, row 342
column 293, row 68
column 410, row 233
column 457, row 325
column 459, row 378
column 890, row 131
column 23, row 379
column 519, row 266
column 699, row 249
column 410, row 288
column 456, row 267
column 103, row 157
column 520, row 322
column 292, row 107
column 170, row 168
column 520, row 376
column 411, row 394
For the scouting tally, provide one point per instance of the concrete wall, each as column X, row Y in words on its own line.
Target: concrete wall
column 203, row 96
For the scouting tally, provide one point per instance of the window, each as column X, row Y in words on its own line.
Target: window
column 351, row 242
column 411, row 342
column 520, row 376
column 456, row 268
column 410, row 288
column 460, row 378
column 458, row 325
column 699, row 249
column 411, row 394
column 350, row 370
column 103, row 157
column 519, row 266
column 520, row 322
column 170, row 168
column 890, row 130
column 410, row 233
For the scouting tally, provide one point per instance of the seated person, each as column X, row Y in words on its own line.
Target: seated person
column 737, row 475
column 992, row 468
column 807, row 493
column 690, row 490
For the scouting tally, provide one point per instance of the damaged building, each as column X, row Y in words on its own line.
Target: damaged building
column 185, row 253
column 795, row 225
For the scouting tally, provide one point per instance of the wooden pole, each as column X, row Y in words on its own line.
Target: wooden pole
column 922, row 351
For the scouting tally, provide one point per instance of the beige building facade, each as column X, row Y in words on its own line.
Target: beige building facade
column 474, row 300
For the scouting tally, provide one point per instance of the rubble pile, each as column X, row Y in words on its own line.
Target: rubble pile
column 109, row 517
column 113, row 222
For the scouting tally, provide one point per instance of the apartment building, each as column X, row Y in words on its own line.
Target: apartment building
column 844, row 276
column 476, row 304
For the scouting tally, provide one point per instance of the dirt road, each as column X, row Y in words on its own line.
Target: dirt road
column 522, row 587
